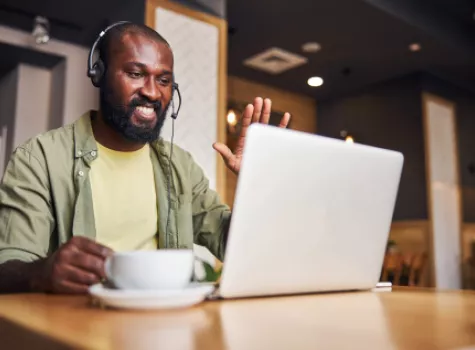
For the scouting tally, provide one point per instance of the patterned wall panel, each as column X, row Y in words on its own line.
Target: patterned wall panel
column 195, row 45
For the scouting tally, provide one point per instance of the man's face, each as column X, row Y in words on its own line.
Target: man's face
column 137, row 87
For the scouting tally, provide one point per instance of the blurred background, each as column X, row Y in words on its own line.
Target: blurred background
column 397, row 74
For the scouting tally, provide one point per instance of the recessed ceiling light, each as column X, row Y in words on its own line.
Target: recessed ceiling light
column 414, row 47
column 315, row 81
column 311, row 47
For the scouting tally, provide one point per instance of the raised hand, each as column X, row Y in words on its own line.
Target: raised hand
column 259, row 112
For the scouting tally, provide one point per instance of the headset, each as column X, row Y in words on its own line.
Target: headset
column 96, row 71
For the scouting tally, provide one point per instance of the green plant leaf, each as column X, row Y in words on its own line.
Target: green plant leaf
column 211, row 274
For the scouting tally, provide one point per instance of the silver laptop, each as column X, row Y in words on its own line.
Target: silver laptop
column 311, row 214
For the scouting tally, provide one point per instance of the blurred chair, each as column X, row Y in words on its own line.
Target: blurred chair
column 416, row 269
column 403, row 269
column 392, row 267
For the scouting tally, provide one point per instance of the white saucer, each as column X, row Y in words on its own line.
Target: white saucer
column 151, row 299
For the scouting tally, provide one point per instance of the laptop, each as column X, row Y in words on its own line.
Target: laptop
column 311, row 214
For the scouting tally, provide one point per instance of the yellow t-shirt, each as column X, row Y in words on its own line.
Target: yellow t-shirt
column 124, row 199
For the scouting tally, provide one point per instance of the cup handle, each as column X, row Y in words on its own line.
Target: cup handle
column 107, row 268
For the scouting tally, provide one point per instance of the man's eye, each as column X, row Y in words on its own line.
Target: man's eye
column 164, row 81
column 135, row 75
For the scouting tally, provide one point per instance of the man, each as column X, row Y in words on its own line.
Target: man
column 72, row 196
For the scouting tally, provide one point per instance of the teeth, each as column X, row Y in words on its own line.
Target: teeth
column 145, row 110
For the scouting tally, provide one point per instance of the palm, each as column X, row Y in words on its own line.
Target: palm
column 259, row 112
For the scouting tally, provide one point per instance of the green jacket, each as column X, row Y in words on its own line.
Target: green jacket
column 46, row 198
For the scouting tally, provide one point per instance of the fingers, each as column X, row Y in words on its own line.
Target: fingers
column 284, row 122
column 260, row 112
column 88, row 263
column 79, row 276
column 247, row 116
column 266, row 111
column 258, row 104
column 89, row 246
column 246, row 121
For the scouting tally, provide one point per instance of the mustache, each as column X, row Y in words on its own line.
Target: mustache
column 143, row 101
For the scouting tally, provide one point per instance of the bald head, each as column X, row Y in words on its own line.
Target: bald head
column 115, row 35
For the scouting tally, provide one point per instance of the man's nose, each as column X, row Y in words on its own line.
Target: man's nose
column 151, row 90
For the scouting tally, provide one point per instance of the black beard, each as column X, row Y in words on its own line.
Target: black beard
column 118, row 117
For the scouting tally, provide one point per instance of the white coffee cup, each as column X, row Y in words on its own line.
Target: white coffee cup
column 159, row 269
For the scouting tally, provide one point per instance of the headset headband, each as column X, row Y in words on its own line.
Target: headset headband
column 91, row 71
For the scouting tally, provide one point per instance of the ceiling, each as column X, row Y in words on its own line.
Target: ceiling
column 363, row 42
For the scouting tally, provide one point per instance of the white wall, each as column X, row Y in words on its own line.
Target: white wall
column 195, row 47
column 79, row 94
column 33, row 103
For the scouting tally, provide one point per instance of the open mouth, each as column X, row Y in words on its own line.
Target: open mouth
column 147, row 114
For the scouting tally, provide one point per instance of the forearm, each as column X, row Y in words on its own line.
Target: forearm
column 21, row 277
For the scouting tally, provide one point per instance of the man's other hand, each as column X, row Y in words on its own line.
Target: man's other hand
column 74, row 267
column 259, row 112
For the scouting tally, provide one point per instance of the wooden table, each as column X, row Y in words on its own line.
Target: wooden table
column 401, row 319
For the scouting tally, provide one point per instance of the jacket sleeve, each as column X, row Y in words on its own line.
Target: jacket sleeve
column 211, row 217
column 26, row 219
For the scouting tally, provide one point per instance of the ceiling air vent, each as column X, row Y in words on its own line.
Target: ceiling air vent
column 275, row 61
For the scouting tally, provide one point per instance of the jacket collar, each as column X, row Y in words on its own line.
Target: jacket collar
column 85, row 143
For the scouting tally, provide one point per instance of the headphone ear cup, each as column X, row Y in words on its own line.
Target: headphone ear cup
column 175, row 89
column 97, row 73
